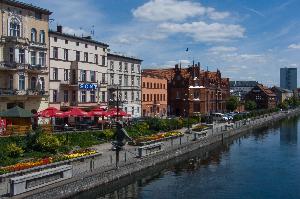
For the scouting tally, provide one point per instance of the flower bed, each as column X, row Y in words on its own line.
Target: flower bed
column 199, row 128
column 157, row 137
column 44, row 161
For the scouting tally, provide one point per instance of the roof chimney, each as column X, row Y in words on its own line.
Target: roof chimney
column 59, row 29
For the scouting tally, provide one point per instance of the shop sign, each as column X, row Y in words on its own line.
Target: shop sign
column 88, row 86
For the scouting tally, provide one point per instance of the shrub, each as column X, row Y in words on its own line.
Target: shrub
column 108, row 134
column 13, row 150
column 47, row 143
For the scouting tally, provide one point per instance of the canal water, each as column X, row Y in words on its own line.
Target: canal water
column 262, row 164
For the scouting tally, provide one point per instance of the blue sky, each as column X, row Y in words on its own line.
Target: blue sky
column 245, row 39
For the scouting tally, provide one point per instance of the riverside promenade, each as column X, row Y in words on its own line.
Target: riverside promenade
column 101, row 171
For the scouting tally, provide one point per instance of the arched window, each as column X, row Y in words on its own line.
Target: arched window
column 21, row 82
column 33, row 83
column 14, row 27
column 42, row 36
column 33, row 35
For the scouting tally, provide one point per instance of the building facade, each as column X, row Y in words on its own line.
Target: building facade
column 124, row 81
column 241, row 88
column 154, row 96
column 264, row 97
column 282, row 94
column 192, row 91
column 78, row 71
column 288, row 78
column 24, row 57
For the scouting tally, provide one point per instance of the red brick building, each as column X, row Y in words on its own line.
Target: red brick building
column 154, row 95
column 264, row 97
column 195, row 90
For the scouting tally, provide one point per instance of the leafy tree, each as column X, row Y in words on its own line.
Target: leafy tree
column 232, row 103
column 283, row 105
column 250, row 105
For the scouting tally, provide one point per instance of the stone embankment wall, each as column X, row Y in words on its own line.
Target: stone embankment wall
column 106, row 175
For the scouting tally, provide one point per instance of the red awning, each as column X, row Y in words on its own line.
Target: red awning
column 51, row 112
column 97, row 112
column 114, row 113
column 76, row 112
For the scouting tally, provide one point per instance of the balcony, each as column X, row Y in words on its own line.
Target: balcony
column 8, row 39
column 38, row 45
column 24, row 67
column 156, row 102
column 28, row 92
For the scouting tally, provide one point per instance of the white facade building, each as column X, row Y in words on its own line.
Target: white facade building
column 78, row 69
column 124, row 73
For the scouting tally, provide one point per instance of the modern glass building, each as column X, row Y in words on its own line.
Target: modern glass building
column 288, row 78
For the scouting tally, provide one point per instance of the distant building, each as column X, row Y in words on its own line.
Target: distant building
column 124, row 73
column 288, row 78
column 282, row 94
column 241, row 88
column 154, row 95
column 264, row 97
column 194, row 91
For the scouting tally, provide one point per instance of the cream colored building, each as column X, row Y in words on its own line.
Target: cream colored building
column 24, row 60
column 78, row 69
column 124, row 74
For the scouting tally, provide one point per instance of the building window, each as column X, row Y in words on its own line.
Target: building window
column 132, row 110
column 148, row 97
column 11, row 55
column 144, row 97
column 86, row 57
column 21, row 82
column 96, row 59
column 10, row 82
column 103, row 78
column 66, row 54
column 74, row 96
column 66, row 41
column 55, row 52
column 77, row 43
column 138, row 81
column 54, row 95
column 111, row 65
column 120, row 79
column 55, row 39
column 42, row 58
column 132, row 68
column 66, row 74
column 33, row 58
column 55, row 73
column 33, row 35
column 83, row 75
column 93, row 76
column 112, row 79
column 126, row 80
column 144, row 84
column 132, row 96
column 77, row 55
column 125, row 96
column 120, row 66
column 103, row 61
column 137, row 96
column 93, row 96
column 139, row 68
column 42, row 83
column 103, row 96
column 96, row 47
column 132, row 80
column 66, row 95
column 42, row 36
column 83, row 96
column 126, row 67
column 14, row 28
column 33, row 83
column 22, row 56
column 86, row 45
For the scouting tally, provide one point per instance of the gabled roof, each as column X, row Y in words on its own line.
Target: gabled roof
column 266, row 90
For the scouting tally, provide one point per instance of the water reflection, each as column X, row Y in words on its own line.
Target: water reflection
column 289, row 131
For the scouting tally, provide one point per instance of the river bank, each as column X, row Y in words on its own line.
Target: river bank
column 175, row 149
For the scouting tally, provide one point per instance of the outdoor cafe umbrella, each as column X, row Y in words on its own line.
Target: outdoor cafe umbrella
column 97, row 112
column 51, row 112
column 16, row 112
column 76, row 112
column 115, row 112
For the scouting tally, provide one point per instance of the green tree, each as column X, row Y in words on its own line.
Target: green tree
column 250, row 105
column 232, row 103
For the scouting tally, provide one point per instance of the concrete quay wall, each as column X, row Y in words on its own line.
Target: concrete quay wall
column 110, row 175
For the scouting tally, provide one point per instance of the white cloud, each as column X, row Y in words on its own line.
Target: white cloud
column 213, row 14
column 221, row 49
column 241, row 58
column 72, row 31
column 175, row 10
column 294, row 46
column 203, row 32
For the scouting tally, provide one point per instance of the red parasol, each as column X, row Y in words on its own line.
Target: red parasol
column 114, row 113
column 51, row 112
column 76, row 112
column 98, row 112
